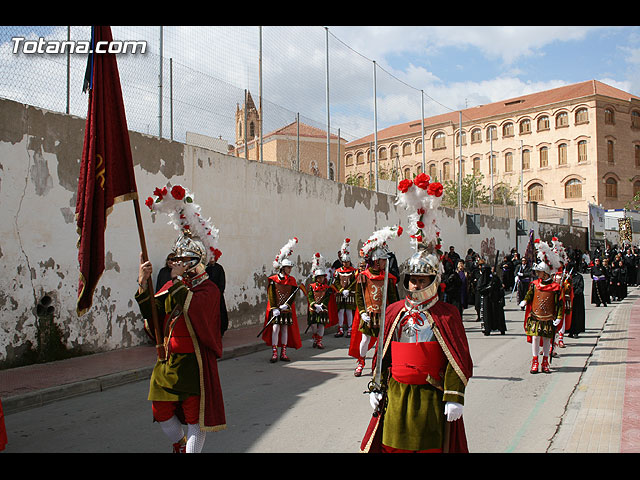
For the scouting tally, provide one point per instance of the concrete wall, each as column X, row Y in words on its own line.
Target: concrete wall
column 256, row 206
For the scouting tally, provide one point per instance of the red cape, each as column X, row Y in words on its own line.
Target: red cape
column 293, row 337
column 356, row 334
column 3, row 430
column 202, row 314
column 453, row 340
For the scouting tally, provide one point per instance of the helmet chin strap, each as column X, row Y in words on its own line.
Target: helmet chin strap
column 424, row 298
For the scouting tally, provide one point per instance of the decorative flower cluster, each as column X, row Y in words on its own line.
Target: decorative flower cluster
column 285, row 252
column 344, row 250
column 184, row 215
column 422, row 198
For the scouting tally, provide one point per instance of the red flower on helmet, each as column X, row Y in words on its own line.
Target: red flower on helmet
column 160, row 192
column 422, row 181
column 149, row 202
column 435, row 189
column 347, row 240
column 399, row 231
column 420, row 224
column 404, row 185
column 178, row 192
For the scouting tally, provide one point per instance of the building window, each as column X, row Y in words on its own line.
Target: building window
column 446, row 171
column 562, row 154
column 419, row 146
column 476, row 166
column 252, row 130
column 507, row 130
column 526, row 159
column 492, row 163
column 582, row 116
column 476, row 135
column 407, row 173
column 394, row 151
column 543, row 123
column 536, row 193
column 582, row 151
column 406, row 149
column 573, row 189
column 419, row 170
column 349, row 161
column 610, row 157
column 562, row 119
column 382, row 153
column 432, row 170
column 635, row 119
column 636, row 188
column 492, row 133
column 464, row 139
column 508, row 162
column 439, row 140
column 611, row 188
column 359, row 158
column 609, row 117
column 525, row 126
column 544, row 157
column 636, row 152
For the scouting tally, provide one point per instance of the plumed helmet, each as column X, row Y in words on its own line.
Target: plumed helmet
column 344, row 251
column 191, row 251
column 423, row 263
column 317, row 265
column 376, row 248
column 282, row 259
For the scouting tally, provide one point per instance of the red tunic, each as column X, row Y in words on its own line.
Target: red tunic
column 453, row 341
column 293, row 337
column 331, row 306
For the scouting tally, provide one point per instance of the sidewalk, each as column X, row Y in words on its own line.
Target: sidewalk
column 602, row 415
column 35, row 385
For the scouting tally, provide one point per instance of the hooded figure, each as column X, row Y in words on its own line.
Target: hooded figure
column 491, row 302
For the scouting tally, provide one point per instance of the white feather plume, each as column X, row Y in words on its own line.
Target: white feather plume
column 379, row 239
column 423, row 207
column 185, row 216
column 285, row 252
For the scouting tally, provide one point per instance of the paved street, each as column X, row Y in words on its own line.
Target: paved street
column 315, row 404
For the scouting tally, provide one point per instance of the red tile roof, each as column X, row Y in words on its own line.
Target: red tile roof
column 532, row 100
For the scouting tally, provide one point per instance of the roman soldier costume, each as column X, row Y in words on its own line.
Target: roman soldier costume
column 185, row 385
column 370, row 294
column 322, row 303
column 344, row 281
column 281, row 322
column 424, row 362
column 544, row 306
column 563, row 278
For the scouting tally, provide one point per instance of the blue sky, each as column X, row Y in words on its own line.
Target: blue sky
column 490, row 63
column 455, row 66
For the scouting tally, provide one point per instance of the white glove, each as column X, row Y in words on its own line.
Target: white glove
column 523, row 303
column 520, row 274
column 284, row 307
column 366, row 318
column 345, row 293
column 276, row 312
column 318, row 308
column 453, row 411
column 374, row 399
column 556, row 322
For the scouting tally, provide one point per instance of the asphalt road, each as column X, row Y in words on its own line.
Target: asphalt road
column 314, row 404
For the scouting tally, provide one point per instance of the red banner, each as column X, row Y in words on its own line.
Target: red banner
column 106, row 168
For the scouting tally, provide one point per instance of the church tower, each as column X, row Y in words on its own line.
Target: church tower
column 248, row 124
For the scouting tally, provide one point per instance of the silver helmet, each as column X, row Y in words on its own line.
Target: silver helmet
column 190, row 251
column 424, row 263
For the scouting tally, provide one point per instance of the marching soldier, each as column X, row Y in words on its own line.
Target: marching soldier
column 281, row 322
column 322, row 303
column 370, row 294
column 344, row 281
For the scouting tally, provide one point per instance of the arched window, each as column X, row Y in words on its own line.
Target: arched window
column 611, row 188
column 610, row 156
column 582, row 151
column 349, row 160
column 406, row 149
column 476, row 165
column 446, row 171
column 536, row 193
column 582, row 116
column 635, row 119
column 544, row 157
column 543, row 123
column 573, row 188
column 609, row 116
column 439, row 140
column 492, row 133
column 562, row 154
column 359, row 158
column 432, row 171
column 382, row 153
column 636, row 187
column 562, row 119
column 526, row 159
column 394, row 151
column 508, row 162
column 507, row 130
column 476, row 135
column 525, row 126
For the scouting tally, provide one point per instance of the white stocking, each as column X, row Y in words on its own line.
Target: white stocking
column 285, row 334
column 195, row 438
column 535, row 345
column 275, row 333
column 546, row 346
column 349, row 318
column 172, row 428
column 364, row 345
column 341, row 314
column 320, row 330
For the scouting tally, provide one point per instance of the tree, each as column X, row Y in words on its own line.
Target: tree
column 473, row 192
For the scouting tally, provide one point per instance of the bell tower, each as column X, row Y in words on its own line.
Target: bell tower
column 247, row 123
